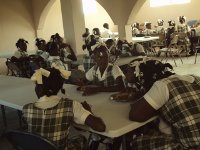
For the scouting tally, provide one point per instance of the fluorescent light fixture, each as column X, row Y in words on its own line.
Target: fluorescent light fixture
column 89, row 6
column 157, row 3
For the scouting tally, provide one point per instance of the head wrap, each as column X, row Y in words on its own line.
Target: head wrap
column 171, row 23
column 182, row 18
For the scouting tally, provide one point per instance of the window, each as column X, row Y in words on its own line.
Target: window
column 157, row 3
column 89, row 6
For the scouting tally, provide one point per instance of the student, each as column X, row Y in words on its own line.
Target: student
column 41, row 51
column 170, row 30
column 105, row 77
column 21, row 58
column 51, row 116
column 54, row 56
column 88, row 61
column 160, row 28
column 137, row 49
column 135, row 29
column 21, row 54
column 106, row 33
column 174, row 98
column 148, row 30
column 182, row 26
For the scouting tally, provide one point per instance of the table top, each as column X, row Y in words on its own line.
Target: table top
column 15, row 92
column 144, row 39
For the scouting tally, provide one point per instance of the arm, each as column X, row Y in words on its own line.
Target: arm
column 148, row 105
column 83, row 116
column 141, row 111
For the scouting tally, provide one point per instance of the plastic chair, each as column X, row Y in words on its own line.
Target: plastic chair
column 173, row 49
column 195, row 43
column 21, row 140
column 13, row 69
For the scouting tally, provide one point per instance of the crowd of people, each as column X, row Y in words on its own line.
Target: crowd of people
column 152, row 88
column 173, row 28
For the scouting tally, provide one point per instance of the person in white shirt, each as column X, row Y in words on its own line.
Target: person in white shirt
column 174, row 98
column 106, row 32
column 51, row 116
column 135, row 29
column 104, row 76
column 160, row 28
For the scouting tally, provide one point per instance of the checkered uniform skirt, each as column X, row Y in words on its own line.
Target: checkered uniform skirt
column 88, row 63
column 182, row 112
column 109, row 81
column 51, row 123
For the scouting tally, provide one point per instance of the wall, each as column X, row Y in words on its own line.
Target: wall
column 92, row 21
column 53, row 22
column 16, row 22
column 151, row 14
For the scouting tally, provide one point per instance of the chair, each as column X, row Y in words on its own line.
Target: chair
column 13, row 69
column 173, row 49
column 17, row 69
column 161, row 42
column 182, row 41
column 195, row 43
column 21, row 140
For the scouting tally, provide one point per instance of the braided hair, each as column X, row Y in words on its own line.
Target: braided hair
column 147, row 71
column 52, row 84
column 21, row 41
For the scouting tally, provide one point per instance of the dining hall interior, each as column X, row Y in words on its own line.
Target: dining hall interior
column 50, row 20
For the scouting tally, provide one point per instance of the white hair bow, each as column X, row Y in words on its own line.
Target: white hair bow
column 37, row 76
column 64, row 73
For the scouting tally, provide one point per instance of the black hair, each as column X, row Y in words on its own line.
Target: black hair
column 150, row 72
column 21, row 40
column 96, row 31
column 39, row 41
column 52, row 84
column 52, row 48
column 106, row 25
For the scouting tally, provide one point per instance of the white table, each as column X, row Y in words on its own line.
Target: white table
column 145, row 38
column 15, row 92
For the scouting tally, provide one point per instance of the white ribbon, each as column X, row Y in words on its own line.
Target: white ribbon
column 37, row 76
column 64, row 73
column 97, row 45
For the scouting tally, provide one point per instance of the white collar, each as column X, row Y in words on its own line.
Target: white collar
column 45, row 102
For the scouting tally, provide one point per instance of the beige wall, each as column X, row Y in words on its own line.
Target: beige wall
column 16, row 21
column 151, row 14
column 53, row 22
column 96, row 20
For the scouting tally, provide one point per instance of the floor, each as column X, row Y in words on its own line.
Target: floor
column 188, row 67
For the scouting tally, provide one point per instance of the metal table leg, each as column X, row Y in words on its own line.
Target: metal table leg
column 4, row 115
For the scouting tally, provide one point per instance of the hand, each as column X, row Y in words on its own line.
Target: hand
column 89, row 90
column 122, row 96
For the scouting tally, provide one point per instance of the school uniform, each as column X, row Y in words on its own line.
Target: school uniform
column 43, row 54
column 52, row 116
column 179, row 107
column 108, row 78
column 18, row 54
column 56, row 60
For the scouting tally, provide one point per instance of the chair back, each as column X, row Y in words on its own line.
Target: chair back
column 13, row 68
column 28, row 141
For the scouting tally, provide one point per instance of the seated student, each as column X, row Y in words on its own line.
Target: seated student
column 106, row 33
column 65, row 50
column 105, row 77
column 112, row 47
column 124, row 47
column 175, row 98
column 88, row 61
column 160, row 28
column 41, row 51
column 21, row 58
column 137, row 49
column 135, row 29
column 54, row 58
column 51, row 116
column 97, row 34
column 21, row 53
column 148, row 30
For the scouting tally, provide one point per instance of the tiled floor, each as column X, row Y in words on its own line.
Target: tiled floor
column 188, row 67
